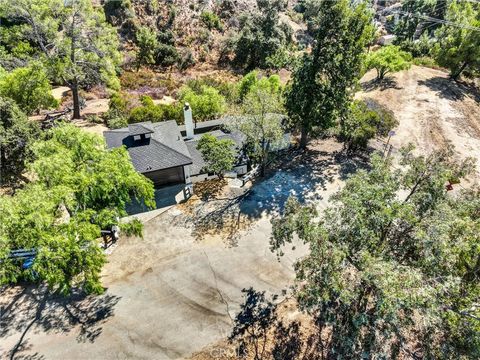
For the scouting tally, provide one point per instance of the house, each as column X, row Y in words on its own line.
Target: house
column 157, row 150
column 167, row 153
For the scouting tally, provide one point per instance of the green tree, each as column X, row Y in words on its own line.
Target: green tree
column 219, row 154
column 412, row 24
column 205, row 103
column 261, row 35
column 320, row 88
column 252, row 81
column 79, row 187
column 29, row 87
column 458, row 48
column 147, row 46
column 388, row 59
column 79, row 47
column 363, row 123
column 16, row 135
column 394, row 255
column 261, row 123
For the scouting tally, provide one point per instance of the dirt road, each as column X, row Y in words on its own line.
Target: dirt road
column 432, row 110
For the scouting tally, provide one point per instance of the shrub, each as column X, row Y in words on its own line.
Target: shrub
column 172, row 112
column 364, row 121
column 117, row 122
column 252, row 81
column 211, row 20
column 29, row 87
column 145, row 113
column 185, row 60
column 167, row 55
column 117, row 107
column 94, row 119
column 425, row 61
column 147, row 47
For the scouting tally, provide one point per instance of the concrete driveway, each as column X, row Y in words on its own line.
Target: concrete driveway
column 169, row 294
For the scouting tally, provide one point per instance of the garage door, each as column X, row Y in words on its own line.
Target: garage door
column 167, row 177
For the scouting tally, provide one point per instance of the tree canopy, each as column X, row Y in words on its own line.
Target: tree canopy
column 71, row 37
column 17, row 133
column 321, row 85
column 29, row 87
column 261, row 123
column 219, row 154
column 388, row 59
column 458, row 47
column 261, row 35
column 393, row 255
column 79, row 188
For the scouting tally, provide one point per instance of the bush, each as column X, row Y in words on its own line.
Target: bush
column 155, row 113
column 147, row 47
column 252, row 81
column 29, row 87
column 94, row 119
column 418, row 48
column 186, row 60
column 205, row 103
column 145, row 113
column 167, row 55
column 117, row 123
column 172, row 112
column 425, row 61
column 117, row 107
column 211, row 20
column 364, row 121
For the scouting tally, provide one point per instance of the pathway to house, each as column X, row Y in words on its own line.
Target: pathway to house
column 169, row 294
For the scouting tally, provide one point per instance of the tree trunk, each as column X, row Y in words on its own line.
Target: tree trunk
column 303, row 137
column 457, row 74
column 76, row 99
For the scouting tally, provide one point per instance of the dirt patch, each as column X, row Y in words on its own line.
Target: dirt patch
column 432, row 110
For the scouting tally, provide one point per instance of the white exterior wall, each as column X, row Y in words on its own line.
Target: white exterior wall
column 186, row 170
column 202, row 177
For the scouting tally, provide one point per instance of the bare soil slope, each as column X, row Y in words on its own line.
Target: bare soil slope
column 432, row 110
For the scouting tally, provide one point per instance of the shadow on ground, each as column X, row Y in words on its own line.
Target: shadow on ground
column 165, row 196
column 451, row 90
column 31, row 309
column 303, row 174
column 382, row 85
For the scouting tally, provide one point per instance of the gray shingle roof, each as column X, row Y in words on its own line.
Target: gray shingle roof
column 164, row 149
column 140, row 128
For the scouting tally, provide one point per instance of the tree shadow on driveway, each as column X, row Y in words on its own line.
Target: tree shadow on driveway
column 303, row 174
column 26, row 309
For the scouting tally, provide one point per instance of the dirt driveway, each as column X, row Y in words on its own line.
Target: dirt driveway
column 433, row 110
column 169, row 294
